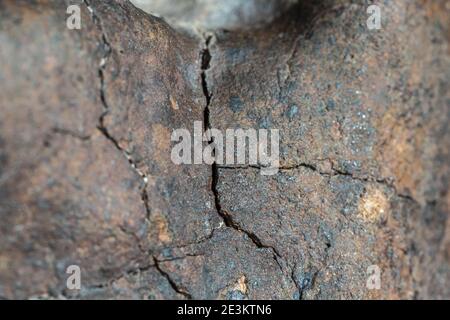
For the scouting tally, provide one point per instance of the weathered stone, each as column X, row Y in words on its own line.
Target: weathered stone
column 86, row 176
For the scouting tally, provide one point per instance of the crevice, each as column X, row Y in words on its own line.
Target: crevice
column 227, row 219
column 172, row 283
column 205, row 65
column 230, row 223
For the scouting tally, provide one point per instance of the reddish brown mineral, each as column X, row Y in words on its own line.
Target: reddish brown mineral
column 86, row 176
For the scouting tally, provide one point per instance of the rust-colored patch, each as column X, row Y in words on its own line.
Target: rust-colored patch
column 160, row 222
column 240, row 285
column 174, row 103
column 161, row 144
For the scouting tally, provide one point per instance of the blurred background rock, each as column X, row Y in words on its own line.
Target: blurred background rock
column 216, row 14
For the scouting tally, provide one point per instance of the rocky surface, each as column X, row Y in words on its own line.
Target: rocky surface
column 86, row 176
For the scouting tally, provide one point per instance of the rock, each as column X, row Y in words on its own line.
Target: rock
column 86, row 176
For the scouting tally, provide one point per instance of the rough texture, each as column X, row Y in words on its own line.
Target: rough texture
column 86, row 176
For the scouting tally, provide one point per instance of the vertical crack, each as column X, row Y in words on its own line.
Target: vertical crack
column 227, row 219
column 107, row 51
column 205, row 65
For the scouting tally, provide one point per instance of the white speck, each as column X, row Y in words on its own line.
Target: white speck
column 102, row 62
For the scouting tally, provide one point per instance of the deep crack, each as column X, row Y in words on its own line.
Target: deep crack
column 227, row 219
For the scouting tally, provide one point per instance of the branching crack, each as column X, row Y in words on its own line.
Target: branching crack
column 334, row 172
column 227, row 219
